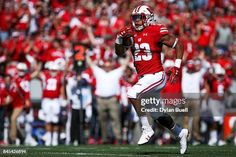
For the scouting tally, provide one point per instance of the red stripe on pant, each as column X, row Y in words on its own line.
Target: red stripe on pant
column 153, row 85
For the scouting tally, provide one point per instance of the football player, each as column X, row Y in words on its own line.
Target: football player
column 20, row 95
column 4, row 101
column 219, row 84
column 146, row 39
column 53, row 89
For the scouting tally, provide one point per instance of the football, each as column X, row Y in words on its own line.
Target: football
column 128, row 41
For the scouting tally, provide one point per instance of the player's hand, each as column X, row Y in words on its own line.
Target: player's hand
column 125, row 32
column 173, row 74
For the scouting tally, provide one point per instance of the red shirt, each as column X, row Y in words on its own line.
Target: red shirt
column 91, row 80
column 103, row 28
column 11, row 70
column 65, row 18
column 118, row 24
column 190, row 49
column 206, row 33
column 20, row 91
column 51, row 85
column 37, row 48
column 14, row 48
column 23, row 16
column 3, row 91
column 53, row 54
column 6, row 18
column 147, row 49
column 81, row 35
column 227, row 64
column 219, row 87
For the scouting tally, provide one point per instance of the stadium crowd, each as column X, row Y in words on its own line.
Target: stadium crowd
column 69, row 46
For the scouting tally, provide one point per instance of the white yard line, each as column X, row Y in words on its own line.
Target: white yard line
column 92, row 154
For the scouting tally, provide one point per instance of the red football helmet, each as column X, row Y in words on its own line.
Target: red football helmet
column 144, row 13
column 11, row 70
column 22, row 68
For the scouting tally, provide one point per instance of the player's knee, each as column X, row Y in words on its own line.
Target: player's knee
column 166, row 121
column 47, row 119
column 131, row 93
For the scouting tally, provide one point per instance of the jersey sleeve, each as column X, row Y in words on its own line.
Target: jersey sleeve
column 163, row 30
column 228, row 82
column 42, row 76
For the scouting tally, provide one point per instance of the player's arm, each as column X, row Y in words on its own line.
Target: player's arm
column 89, row 62
column 125, row 62
column 175, row 43
column 120, row 48
column 62, row 91
column 37, row 71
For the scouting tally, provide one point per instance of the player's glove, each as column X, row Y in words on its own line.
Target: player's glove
column 174, row 71
column 124, row 33
column 173, row 74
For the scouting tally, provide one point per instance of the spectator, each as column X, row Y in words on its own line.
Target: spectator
column 205, row 33
column 191, row 81
column 6, row 16
column 79, row 94
column 224, row 36
column 129, row 118
column 53, row 89
column 19, row 92
column 107, row 95
column 219, row 86
column 4, row 100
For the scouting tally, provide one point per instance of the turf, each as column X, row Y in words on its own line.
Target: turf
column 123, row 151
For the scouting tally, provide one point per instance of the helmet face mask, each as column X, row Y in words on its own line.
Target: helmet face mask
column 136, row 17
column 142, row 13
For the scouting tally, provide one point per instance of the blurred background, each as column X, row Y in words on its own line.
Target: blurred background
column 47, row 41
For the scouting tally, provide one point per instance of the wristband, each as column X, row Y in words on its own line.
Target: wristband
column 176, row 41
column 178, row 63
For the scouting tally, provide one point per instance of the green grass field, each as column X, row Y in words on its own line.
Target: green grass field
column 122, row 151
